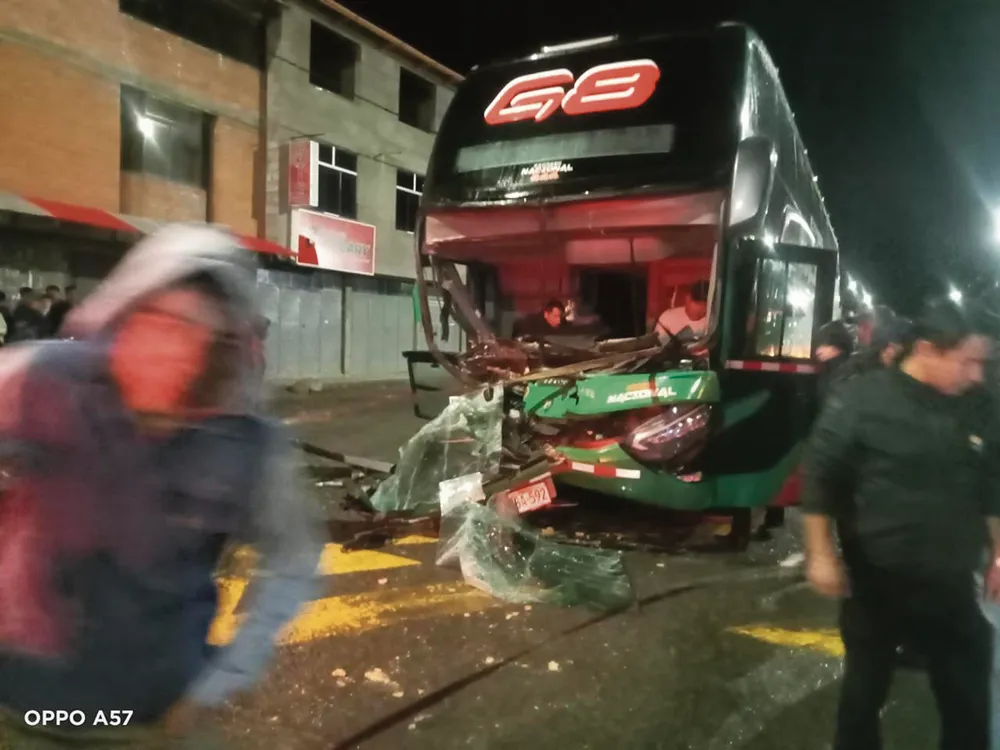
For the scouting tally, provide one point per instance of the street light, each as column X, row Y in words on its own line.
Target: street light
column 955, row 296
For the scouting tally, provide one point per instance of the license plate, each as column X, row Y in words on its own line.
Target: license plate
column 533, row 496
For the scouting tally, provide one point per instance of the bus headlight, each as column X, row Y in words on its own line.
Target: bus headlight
column 672, row 438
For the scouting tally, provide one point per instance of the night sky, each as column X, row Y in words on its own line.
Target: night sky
column 897, row 102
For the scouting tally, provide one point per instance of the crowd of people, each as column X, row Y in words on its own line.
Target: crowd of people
column 35, row 315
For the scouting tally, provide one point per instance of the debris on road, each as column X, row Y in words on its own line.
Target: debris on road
column 554, row 666
column 339, row 673
column 465, row 438
column 794, row 560
column 500, row 554
column 452, row 469
column 379, row 677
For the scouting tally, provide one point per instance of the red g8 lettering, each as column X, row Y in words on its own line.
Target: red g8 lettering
column 534, row 96
column 603, row 88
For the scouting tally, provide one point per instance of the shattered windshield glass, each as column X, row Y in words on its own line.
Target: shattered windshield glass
column 463, row 439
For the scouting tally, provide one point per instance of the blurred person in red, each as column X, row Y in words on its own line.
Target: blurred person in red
column 130, row 457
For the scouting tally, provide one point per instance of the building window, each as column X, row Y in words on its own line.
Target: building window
column 333, row 61
column 216, row 24
column 416, row 101
column 338, row 181
column 409, row 188
column 164, row 139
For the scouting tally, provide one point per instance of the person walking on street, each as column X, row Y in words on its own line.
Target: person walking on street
column 130, row 458
column 910, row 478
column 60, row 307
column 887, row 338
column 868, row 321
column 29, row 323
column 834, row 346
column 5, row 314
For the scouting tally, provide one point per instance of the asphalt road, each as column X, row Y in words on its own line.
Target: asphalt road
column 726, row 651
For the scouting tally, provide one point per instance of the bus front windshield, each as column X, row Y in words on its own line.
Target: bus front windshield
column 579, row 275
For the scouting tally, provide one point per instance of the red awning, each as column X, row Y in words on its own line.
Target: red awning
column 96, row 217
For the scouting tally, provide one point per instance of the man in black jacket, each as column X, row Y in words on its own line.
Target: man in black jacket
column 834, row 346
column 887, row 336
column 28, row 318
column 61, row 305
column 911, row 478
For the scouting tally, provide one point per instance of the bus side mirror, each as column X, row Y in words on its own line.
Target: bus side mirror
column 753, row 177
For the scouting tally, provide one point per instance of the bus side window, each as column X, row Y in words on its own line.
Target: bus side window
column 782, row 296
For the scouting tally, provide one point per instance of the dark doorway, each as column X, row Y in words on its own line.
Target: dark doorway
column 618, row 298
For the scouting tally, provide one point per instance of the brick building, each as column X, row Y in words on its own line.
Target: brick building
column 296, row 123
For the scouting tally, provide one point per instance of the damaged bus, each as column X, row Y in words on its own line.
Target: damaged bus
column 618, row 175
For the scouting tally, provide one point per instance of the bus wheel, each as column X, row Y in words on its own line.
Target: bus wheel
column 742, row 529
column 774, row 518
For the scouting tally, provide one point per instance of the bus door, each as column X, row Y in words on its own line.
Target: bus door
column 776, row 298
column 429, row 382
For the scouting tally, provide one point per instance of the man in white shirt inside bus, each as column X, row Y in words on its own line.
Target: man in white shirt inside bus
column 692, row 314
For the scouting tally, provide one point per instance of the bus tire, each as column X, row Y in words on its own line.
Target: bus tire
column 774, row 518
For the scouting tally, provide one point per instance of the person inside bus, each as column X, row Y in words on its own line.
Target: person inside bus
column 693, row 314
column 545, row 323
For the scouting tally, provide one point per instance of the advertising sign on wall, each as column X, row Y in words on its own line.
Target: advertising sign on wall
column 324, row 241
column 301, row 184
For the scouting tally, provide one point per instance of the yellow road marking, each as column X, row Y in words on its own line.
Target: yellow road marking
column 825, row 641
column 341, row 615
column 226, row 622
column 415, row 539
column 335, row 561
